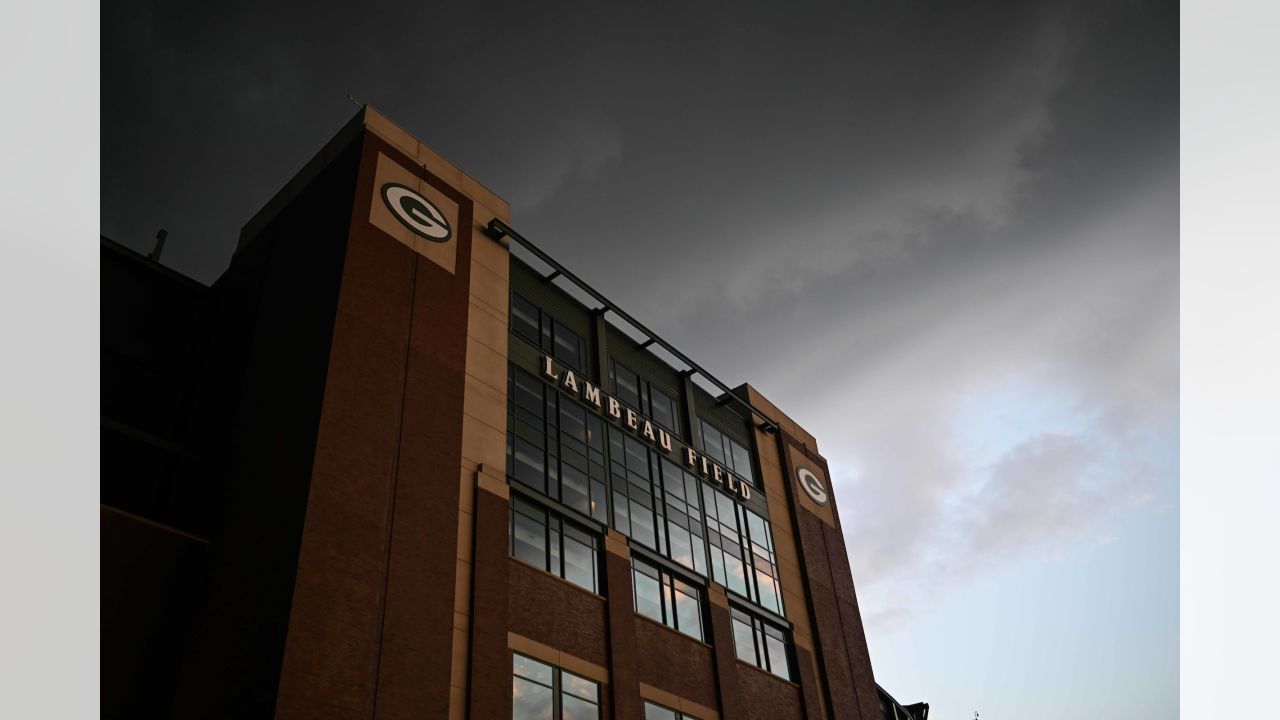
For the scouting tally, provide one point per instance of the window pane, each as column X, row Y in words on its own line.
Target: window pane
column 567, row 344
column 626, row 386
column 777, row 657
column 579, row 686
column 657, row 712
column 574, row 490
column 528, row 392
column 742, row 462
column 681, row 546
column 642, row 529
column 532, row 669
column 712, row 444
column 529, row 540
column 662, row 408
column 524, row 318
column 688, row 611
column 648, row 595
column 530, row 701
column 579, row 563
column 573, row 421
column 573, row 708
column 744, row 641
column 528, row 465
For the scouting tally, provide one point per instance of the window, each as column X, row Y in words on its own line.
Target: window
column 666, row 598
column 760, row 643
column 742, row 553
column 648, row 400
column 686, row 543
column 548, row 542
column 634, row 511
column 540, row 691
column 556, row 446
column 654, row 711
column 552, row 336
column 728, row 452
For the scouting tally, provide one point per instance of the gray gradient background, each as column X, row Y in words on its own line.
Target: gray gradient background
column 942, row 236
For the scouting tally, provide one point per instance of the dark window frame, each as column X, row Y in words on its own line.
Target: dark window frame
column 557, row 686
column 644, row 397
column 555, row 527
column 668, row 587
column 761, row 631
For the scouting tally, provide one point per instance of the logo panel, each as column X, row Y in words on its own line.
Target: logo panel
column 411, row 210
column 812, row 486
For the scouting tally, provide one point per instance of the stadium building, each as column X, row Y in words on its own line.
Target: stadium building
column 398, row 462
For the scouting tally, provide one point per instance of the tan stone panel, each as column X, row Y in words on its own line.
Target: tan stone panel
column 702, row 712
column 485, row 403
column 461, row 621
column 716, row 595
column 493, row 254
column 490, row 367
column 616, row 543
column 389, row 131
column 488, row 330
column 490, row 289
column 497, row 487
column 533, row 649
column 458, row 669
column 588, row 670
column 462, row 588
column 467, row 493
column 483, row 444
column 660, row 696
column 457, row 703
column 381, row 216
column 466, row 539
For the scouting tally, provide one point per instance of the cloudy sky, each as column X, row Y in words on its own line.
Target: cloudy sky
column 942, row 236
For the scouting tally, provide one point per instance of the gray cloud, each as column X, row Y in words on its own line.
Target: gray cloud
column 920, row 205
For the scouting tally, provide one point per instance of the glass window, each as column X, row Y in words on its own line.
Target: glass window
column 648, row 591
column 760, row 643
column 548, row 542
column 713, row 443
column 742, row 462
column 569, row 347
column 525, row 318
column 541, row 692
column 653, row 711
column 528, row 467
column 626, row 386
column 662, row 408
column 685, row 536
column 667, row 599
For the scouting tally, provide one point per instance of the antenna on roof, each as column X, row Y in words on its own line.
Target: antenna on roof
column 159, row 247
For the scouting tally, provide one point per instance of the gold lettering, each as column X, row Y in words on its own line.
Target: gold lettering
column 547, row 370
column 664, row 439
column 648, row 431
column 631, row 418
column 591, row 393
column 717, row 474
column 570, row 382
column 615, row 410
column 733, row 485
column 690, row 457
column 746, row 491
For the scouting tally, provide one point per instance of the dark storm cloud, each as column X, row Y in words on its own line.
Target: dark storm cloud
column 919, row 203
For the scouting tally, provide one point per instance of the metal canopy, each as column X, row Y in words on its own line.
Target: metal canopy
column 497, row 229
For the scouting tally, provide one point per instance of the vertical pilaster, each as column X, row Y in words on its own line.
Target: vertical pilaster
column 722, row 640
column 490, row 662
column 623, row 650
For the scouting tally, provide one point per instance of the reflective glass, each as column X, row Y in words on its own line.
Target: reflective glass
column 657, row 712
column 530, row 701
column 572, row 708
column 529, row 540
column 579, row 686
column 744, row 641
column 648, row 595
column 688, row 611
column 777, row 650
column 579, row 563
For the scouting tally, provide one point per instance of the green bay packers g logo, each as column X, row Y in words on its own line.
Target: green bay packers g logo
column 416, row 212
column 813, row 487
